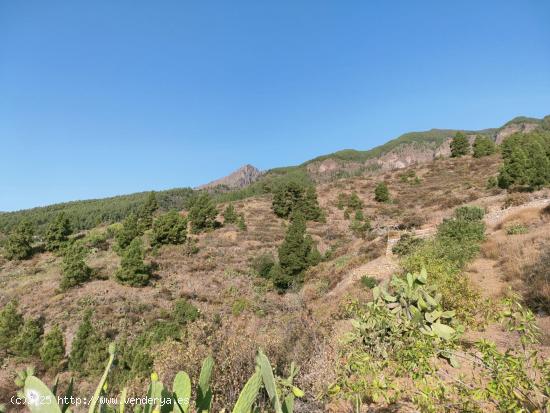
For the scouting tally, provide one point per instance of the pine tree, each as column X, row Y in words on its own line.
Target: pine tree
column 58, row 233
column 483, row 146
column 73, row 268
column 381, row 193
column 538, row 171
column 146, row 212
column 354, row 202
column 286, row 197
column 133, row 271
column 130, row 230
column 170, row 228
column 310, row 205
column 28, row 340
column 88, row 347
column 19, row 243
column 203, row 214
column 229, row 215
column 296, row 254
column 514, row 168
column 52, row 351
column 241, row 223
column 11, row 322
column 459, row 145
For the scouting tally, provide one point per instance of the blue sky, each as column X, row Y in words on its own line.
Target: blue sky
column 101, row 98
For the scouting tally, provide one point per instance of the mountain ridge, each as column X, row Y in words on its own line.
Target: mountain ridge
column 407, row 149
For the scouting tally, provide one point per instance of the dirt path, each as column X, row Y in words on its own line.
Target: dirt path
column 383, row 267
column 380, row 268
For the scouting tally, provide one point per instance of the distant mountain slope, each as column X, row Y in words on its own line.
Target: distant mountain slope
column 247, row 181
column 407, row 149
column 240, row 178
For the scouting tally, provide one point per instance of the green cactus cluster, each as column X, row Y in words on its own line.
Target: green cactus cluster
column 412, row 299
column 160, row 399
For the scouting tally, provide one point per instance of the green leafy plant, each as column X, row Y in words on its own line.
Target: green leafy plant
column 176, row 400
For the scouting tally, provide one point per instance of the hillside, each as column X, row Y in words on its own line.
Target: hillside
column 240, row 311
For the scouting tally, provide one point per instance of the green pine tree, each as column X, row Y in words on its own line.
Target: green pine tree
column 73, row 268
column 229, row 215
column 58, row 233
column 19, row 243
column 130, row 230
column 169, row 228
column 381, row 193
column 11, row 322
column 241, row 223
column 133, row 271
column 52, row 351
column 459, row 145
column 514, row 169
column 483, row 146
column 354, row 202
column 538, row 170
column 296, row 254
column 202, row 214
column 28, row 340
column 293, row 196
column 146, row 212
column 88, row 348
column 310, row 205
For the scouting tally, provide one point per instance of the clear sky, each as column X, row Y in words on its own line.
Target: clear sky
column 100, row 98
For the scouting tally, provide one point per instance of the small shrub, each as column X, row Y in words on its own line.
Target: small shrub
column 381, row 193
column 96, row 239
column 229, row 215
column 470, row 213
column 516, row 229
column 263, row 264
column 515, row 199
column 239, row 306
column 537, row 282
column 369, row 282
column 406, row 245
column 492, row 182
column 52, row 351
column 184, row 312
column 241, row 223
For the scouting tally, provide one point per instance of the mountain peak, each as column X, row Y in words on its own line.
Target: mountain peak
column 244, row 176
